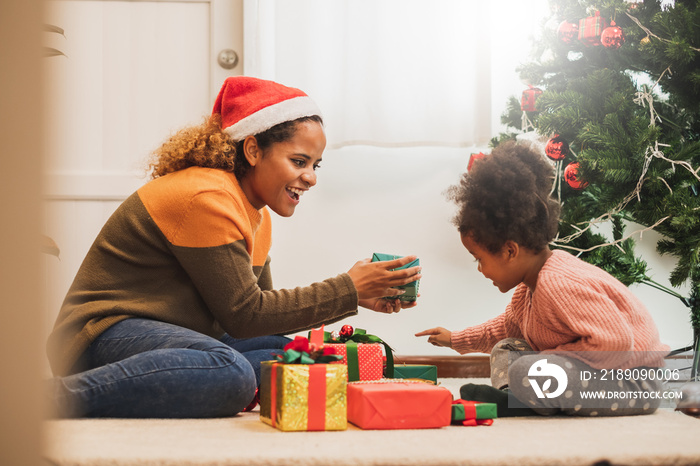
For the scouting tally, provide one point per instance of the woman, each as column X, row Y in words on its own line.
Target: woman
column 173, row 308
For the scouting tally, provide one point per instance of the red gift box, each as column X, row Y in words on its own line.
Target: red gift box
column 398, row 405
column 369, row 361
column 590, row 29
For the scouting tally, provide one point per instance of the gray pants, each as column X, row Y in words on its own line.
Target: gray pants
column 513, row 373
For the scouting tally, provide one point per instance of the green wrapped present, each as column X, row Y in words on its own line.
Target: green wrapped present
column 411, row 289
column 473, row 412
column 416, row 371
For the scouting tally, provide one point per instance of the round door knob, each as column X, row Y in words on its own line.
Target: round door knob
column 227, row 59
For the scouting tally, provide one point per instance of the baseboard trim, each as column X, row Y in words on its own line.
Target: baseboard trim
column 452, row 366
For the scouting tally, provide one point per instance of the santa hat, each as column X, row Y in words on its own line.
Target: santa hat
column 249, row 106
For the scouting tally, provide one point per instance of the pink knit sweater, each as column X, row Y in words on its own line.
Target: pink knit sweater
column 576, row 306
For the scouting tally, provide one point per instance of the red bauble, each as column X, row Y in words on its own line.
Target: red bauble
column 567, row 32
column 473, row 158
column 527, row 102
column 346, row 331
column 571, row 176
column 254, row 403
column 612, row 37
column 556, row 148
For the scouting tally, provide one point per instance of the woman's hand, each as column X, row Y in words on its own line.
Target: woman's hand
column 386, row 306
column 377, row 279
column 438, row 336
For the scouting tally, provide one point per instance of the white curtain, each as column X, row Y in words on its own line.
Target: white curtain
column 393, row 73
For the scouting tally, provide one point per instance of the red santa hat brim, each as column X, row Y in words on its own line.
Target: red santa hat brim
column 249, row 106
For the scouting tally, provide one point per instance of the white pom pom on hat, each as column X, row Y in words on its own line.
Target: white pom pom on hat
column 249, row 106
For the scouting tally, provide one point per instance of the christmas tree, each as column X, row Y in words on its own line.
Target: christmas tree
column 615, row 92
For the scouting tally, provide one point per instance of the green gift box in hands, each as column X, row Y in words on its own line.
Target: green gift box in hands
column 411, row 289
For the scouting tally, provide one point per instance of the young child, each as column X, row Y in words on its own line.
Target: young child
column 561, row 304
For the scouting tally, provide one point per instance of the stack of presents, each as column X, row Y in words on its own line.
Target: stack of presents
column 324, row 382
column 329, row 379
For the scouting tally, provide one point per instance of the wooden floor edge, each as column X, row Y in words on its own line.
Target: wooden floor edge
column 452, row 366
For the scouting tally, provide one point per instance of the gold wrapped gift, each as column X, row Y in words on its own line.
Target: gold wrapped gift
column 294, row 397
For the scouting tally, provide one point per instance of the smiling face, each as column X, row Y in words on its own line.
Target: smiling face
column 500, row 267
column 283, row 172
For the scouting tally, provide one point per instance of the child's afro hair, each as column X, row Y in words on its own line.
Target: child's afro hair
column 507, row 196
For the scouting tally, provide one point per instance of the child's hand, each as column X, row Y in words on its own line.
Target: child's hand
column 438, row 336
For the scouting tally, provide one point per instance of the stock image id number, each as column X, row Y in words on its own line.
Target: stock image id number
column 632, row 374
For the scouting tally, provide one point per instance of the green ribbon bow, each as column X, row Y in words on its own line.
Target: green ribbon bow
column 361, row 336
column 302, row 357
column 299, row 351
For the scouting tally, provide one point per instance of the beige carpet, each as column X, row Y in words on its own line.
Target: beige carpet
column 664, row 438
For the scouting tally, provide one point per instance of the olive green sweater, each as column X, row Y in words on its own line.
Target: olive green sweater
column 189, row 249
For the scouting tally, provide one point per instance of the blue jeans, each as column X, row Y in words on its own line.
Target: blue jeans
column 141, row 368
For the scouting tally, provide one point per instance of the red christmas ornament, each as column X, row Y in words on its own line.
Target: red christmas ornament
column 254, row 403
column 567, row 32
column 612, row 36
column 346, row 331
column 473, row 158
column 571, row 176
column 527, row 102
column 556, row 148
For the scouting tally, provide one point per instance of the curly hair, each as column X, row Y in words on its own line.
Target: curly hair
column 205, row 145
column 506, row 196
column 208, row 145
